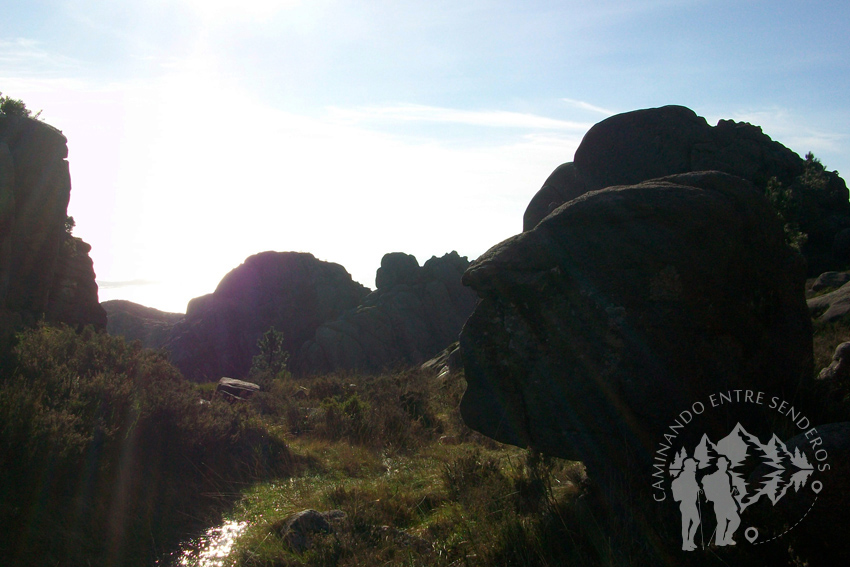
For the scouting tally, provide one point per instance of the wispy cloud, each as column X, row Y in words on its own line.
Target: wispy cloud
column 22, row 56
column 587, row 106
column 483, row 118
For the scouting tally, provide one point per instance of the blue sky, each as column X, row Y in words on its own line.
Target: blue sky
column 201, row 132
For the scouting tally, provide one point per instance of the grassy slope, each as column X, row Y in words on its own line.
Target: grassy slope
column 403, row 459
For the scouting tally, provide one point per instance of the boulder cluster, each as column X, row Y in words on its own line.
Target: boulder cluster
column 637, row 146
column 328, row 321
column 624, row 306
column 415, row 312
column 655, row 271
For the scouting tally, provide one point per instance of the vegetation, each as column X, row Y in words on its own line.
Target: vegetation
column 16, row 108
column 130, row 458
column 109, row 455
column 796, row 204
column 271, row 363
column 416, row 485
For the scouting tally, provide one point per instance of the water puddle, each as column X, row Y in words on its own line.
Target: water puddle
column 208, row 550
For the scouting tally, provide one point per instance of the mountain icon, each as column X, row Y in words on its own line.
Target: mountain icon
column 745, row 452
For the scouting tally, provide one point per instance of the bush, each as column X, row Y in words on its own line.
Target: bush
column 15, row 107
column 107, row 455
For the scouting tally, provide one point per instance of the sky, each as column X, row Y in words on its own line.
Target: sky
column 201, row 132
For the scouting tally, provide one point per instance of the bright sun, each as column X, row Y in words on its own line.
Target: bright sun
column 240, row 8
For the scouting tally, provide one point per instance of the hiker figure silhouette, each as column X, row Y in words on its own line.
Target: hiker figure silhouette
column 686, row 491
column 718, row 490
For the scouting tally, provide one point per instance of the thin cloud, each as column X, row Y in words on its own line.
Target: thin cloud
column 484, row 118
column 587, row 106
column 23, row 56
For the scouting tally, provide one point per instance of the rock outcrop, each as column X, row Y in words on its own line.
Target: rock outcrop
column 829, row 280
column 150, row 326
column 43, row 271
column 831, row 306
column 414, row 314
column 73, row 295
column 621, row 308
column 645, row 144
column 291, row 291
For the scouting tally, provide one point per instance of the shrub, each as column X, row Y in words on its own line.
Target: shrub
column 15, row 107
column 107, row 454
column 270, row 364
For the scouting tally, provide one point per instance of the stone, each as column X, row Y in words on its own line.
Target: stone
column 291, row 291
column 830, row 280
column 447, row 361
column 644, row 144
column 839, row 369
column 414, row 313
column 232, row 388
column 150, row 326
column 297, row 530
column 598, row 326
column 831, row 306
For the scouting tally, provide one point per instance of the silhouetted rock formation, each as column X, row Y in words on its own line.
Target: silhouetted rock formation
column 292, row 291
column 645, row 144
column 73, row 295
column 413, row 315
column 136, row 322
column 43, row 271
column 626, row 305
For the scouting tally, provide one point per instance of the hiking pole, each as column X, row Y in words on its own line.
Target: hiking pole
column 699, row 513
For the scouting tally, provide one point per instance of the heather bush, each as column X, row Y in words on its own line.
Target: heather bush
column 107, row 454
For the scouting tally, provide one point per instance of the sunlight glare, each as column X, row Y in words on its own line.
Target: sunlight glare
column 240, row 8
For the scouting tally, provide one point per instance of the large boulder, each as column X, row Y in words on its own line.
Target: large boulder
column 150, row 326
column 414, row 314
column 597, row 327
column 829, row 280
column 291, row 291
column 832, row 306
column 44, row 272
column 644, row 144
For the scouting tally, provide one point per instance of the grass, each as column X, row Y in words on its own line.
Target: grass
column 417, row 486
